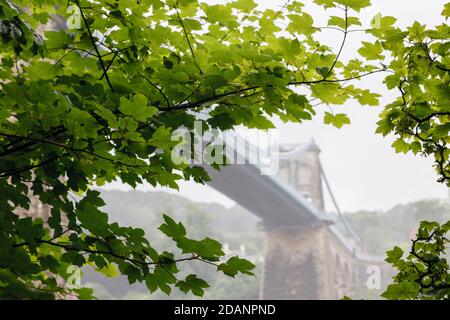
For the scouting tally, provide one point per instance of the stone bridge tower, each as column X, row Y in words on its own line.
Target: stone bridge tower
column 303, row 172
column 295, row 253
column 306, row 256
column 308, row 260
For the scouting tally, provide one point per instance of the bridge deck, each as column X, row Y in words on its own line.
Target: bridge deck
column 270, row 198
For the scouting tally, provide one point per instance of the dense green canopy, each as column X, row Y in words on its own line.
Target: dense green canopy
column 85, row 106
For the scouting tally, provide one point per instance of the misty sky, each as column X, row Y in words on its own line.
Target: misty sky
column 364, row 171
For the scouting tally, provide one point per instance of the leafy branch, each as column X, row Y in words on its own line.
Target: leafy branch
column 94, row 44
column 424, row 272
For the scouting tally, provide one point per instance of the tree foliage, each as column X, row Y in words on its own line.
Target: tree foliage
column 418, row 59
column 420, row 66
column 99, row 102
column 424, row 271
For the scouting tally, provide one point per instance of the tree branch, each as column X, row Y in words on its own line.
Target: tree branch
column 91, row 37
column 186, row 34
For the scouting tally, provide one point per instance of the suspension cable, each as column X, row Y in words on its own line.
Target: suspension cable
column 336, row 206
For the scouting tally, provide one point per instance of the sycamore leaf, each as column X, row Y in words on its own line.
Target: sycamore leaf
column 400, row 146
column 236, row 265
column 371, row 51
column 337, row 120
column 194, row 284
column 324, row 71
column 301, row 23
column 394, row 255
column 137, row 107
column 162, row 139
column 401, row 291
column 171, row 228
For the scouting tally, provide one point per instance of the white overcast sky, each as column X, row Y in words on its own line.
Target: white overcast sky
column 364, row 171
